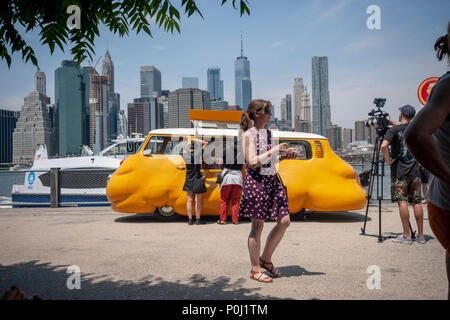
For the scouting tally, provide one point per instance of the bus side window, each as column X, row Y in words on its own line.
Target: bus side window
column 155, row 144
column 302, row 148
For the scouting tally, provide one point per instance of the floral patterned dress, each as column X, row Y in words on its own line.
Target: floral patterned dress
column 263, row 195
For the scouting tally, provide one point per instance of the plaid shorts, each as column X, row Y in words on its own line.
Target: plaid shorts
column 406, row 189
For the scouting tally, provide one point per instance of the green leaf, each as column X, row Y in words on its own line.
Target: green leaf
column 165, row 6
column 50, row 18
column 174, row 12
column 34, row 60
column 147, row 30
column 177, row 26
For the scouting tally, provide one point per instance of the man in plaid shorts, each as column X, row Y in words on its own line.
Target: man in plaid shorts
column 405, row 176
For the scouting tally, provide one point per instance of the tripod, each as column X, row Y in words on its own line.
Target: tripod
column 375, row 172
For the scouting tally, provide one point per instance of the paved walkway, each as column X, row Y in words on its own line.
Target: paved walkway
column 138, row 257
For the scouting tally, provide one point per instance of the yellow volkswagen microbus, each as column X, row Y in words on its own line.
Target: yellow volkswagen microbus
column 152, row 179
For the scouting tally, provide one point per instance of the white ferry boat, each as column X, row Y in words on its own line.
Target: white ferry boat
column 82, row 178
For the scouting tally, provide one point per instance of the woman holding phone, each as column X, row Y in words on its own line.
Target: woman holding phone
column 263, row 194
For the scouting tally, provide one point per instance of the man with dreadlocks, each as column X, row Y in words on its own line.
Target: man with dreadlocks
column 428, row 138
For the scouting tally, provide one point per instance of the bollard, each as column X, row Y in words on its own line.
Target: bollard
column 55, row 190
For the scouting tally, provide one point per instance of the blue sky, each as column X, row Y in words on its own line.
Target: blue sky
column 280, row 37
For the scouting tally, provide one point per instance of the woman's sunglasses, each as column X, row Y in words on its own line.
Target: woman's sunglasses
column 267, row 110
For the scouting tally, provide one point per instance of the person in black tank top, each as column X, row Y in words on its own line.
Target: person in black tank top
column 192, row 156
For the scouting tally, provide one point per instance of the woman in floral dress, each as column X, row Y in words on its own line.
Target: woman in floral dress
column 263, row 194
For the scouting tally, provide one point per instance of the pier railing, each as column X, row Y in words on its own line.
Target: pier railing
column 54, row 187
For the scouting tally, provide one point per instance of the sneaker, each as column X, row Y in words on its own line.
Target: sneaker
column 402, row 239
column 190, row 222
column 197, row 222
column 421, row 240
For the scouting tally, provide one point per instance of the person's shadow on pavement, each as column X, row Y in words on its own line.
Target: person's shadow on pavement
column 297, row 271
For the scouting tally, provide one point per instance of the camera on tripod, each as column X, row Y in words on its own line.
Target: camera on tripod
column 378, row 118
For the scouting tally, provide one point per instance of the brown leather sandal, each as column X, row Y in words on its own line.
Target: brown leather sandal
column 272, row 269
column 262, row 276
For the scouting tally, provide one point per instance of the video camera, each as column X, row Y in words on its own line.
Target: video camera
column 378, row 118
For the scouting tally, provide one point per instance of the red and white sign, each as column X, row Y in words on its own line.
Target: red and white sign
column 425, row 88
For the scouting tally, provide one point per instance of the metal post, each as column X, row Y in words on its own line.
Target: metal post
column 55, row 189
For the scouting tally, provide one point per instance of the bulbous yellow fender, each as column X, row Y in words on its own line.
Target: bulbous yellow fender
column 143, row 183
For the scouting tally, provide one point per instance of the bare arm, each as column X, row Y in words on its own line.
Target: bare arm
column 418, row 135
column 187, row 148
column 385, row 152
column 392, row 122
column 255, row 161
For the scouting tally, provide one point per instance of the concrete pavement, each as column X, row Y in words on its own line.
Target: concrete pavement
column 123, row 256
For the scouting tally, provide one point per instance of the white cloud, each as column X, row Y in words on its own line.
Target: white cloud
column 372, row 40
column 333, row 10
column 159, row 47
column 277, row 44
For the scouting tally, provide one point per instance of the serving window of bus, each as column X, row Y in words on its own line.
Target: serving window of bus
column 302, row 148
column 172, row 145
column 214, row 160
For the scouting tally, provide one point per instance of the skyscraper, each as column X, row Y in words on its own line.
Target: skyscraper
column 283, row 109
column 165, row 93
column 306, row 105
column 297, row 103
column 321, row 114
column 150, row 81
column 360, row 131
column 222, row 95
column 8, row 120
column 189, row 82
column 122, row 124
column 246, row 92
column 213, row 80
column 108, row 71
column 32, row 128
column 72, row 95
column 289, row 109
column 347, row 137
column 144, row 115
column 99, row 112
column 334, row 135
column 218, row 105
column 40, row 82
column 138, row 117
column 302, row 125
column 241, row 71
column 113, row 97
column 164, row 100
column 183, row 100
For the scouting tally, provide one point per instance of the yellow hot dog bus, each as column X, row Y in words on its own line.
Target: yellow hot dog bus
column 152, row 179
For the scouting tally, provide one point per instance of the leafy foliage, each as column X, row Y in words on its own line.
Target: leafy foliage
column 50, row 18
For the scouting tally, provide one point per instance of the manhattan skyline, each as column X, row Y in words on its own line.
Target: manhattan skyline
column 363, row 64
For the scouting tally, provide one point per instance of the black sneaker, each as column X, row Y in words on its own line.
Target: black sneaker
column 197, row 222
column 190, row 222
